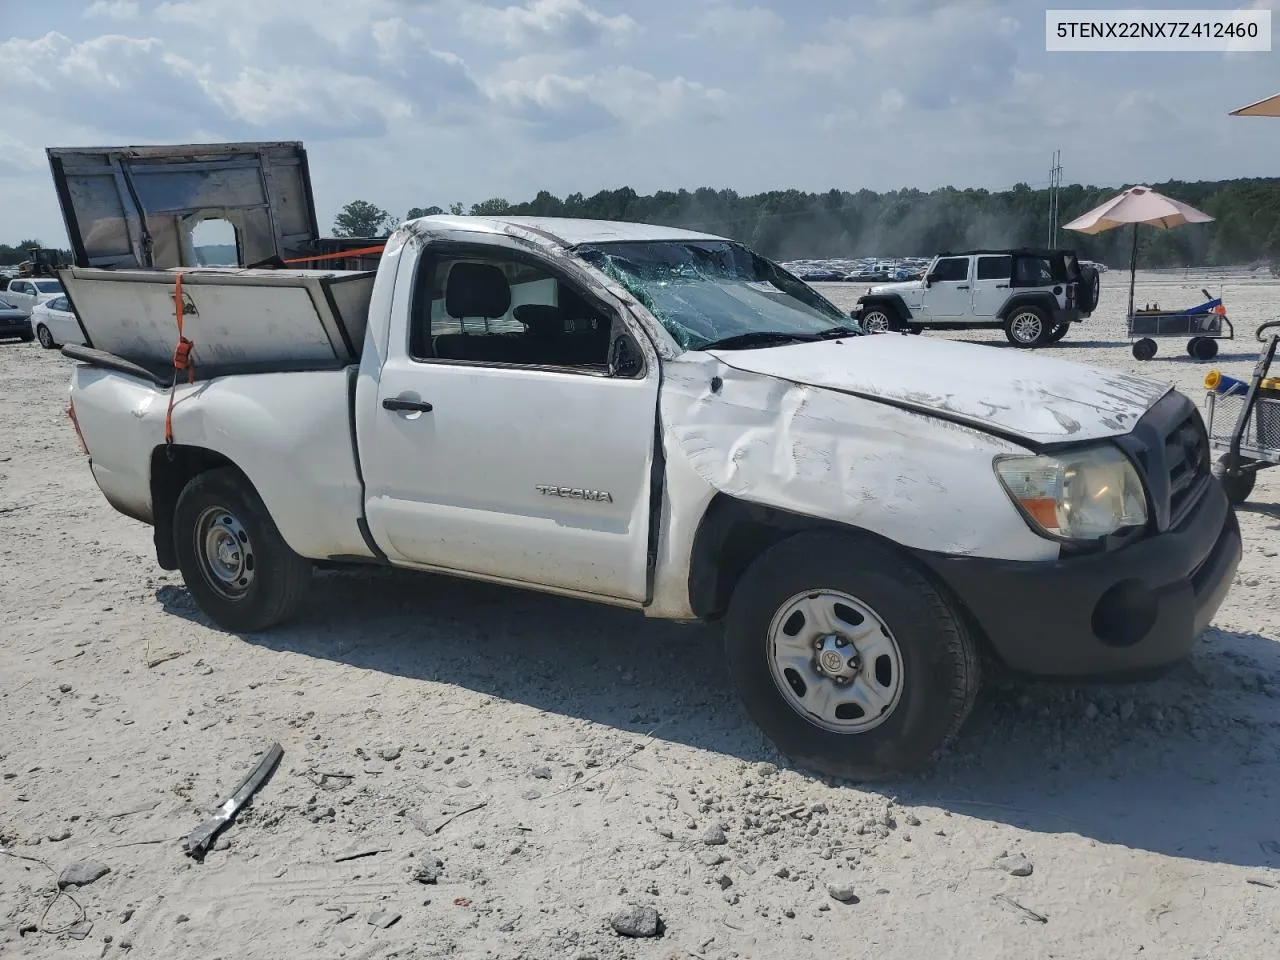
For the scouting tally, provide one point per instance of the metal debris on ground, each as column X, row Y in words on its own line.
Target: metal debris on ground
column 430, row 831
column 331, row 781
column 360, row 854
column 197, row 843
column 1261, row 883
column 383, row 919
column 1025, row 911
column 153, row 662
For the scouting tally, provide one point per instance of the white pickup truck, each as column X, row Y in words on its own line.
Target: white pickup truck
column 657, row 419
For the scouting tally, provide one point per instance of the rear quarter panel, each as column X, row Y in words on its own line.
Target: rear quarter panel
column 289, row 433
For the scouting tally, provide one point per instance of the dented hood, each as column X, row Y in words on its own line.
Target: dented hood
column 1003, row 391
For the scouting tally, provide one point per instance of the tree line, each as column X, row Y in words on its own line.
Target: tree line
column 793, row 224
column 11, row 255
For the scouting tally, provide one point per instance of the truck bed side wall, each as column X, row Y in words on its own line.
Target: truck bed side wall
column 288, row 433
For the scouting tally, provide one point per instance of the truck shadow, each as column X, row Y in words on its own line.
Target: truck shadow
column 1186, row 766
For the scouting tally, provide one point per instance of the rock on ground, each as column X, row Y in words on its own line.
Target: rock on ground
column 636, row 922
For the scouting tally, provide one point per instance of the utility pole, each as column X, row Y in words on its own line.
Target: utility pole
column 1055, row 183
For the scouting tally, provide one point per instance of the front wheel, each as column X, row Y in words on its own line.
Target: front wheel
column 232, row 557
column 1027, row 327
column 878, row 320
column 45, row 337
column 853, row 663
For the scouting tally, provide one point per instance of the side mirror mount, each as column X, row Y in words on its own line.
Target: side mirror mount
column 625, row 359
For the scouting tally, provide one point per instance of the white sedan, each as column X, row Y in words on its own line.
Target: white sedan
column 26, row 292
column 54, row 323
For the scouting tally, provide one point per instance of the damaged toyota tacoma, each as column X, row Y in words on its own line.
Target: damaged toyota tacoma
column 636, row 415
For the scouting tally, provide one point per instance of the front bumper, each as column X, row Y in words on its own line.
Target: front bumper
column 1123, row 612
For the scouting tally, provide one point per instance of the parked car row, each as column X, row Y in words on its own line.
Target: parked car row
column 37, row 308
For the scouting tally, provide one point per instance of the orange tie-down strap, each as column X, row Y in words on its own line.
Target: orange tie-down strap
column 182, row 352
column 181, row 360
column 359, row 252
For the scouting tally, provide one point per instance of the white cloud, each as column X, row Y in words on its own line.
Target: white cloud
column 113, row 82
column 18, row 158
column 819, row 59
column 619, row 95
column 413, row 102
column 113, row 9
column 745, row 24
column 567, row 23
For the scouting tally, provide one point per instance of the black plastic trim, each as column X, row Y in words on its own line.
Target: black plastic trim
column 362, row 520
column 1038, row 616
column 893, row 300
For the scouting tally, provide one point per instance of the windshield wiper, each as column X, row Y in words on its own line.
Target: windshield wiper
column 835, row 333
column 759, row 338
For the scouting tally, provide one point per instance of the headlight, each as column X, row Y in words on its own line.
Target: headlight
column 1082, row 495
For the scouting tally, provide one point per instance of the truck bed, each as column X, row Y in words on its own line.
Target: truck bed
column 257, row 422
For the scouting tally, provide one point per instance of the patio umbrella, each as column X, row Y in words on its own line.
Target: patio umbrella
column 1269, row 107
column 1137, row 205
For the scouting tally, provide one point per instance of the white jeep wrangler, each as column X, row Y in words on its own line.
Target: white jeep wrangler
column 1034, row 295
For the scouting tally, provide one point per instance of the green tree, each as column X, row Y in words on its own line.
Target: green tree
column 359, row 218
column 456, row 209
column 493, row 207
column 416, row 212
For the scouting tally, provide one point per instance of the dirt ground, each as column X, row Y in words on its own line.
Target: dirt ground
column 605, row 750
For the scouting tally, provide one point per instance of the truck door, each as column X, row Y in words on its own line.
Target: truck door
column 991, row 284
column 502, row 445
column 949, row 294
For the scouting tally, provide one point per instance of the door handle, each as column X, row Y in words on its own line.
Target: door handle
column 965, row 287
column 1002, row 286
column 415, row 406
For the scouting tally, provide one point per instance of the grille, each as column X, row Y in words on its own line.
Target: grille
column 1186, row 458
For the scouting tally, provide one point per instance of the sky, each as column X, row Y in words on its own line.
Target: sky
column 425, row 102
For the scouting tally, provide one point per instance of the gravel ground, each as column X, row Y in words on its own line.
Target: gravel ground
column 604, row 780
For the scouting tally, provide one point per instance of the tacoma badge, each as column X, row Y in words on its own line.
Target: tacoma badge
column 575, row 493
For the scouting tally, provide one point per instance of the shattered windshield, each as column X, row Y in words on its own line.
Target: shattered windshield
column 708, row 291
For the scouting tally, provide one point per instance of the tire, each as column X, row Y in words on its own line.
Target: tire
column 235, row 563
column 1058, row 332
column 45, row 337
column 928, row 644
column 1144, row 349
column 1089, row 290
column 1203, row 348
column 1236, row 486
column 1027, row 327
column 879, row 320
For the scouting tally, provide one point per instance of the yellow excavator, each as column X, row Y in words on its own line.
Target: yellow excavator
column 43, row 262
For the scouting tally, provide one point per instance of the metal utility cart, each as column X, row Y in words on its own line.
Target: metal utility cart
column 1244, row 422
column 1203, row 325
